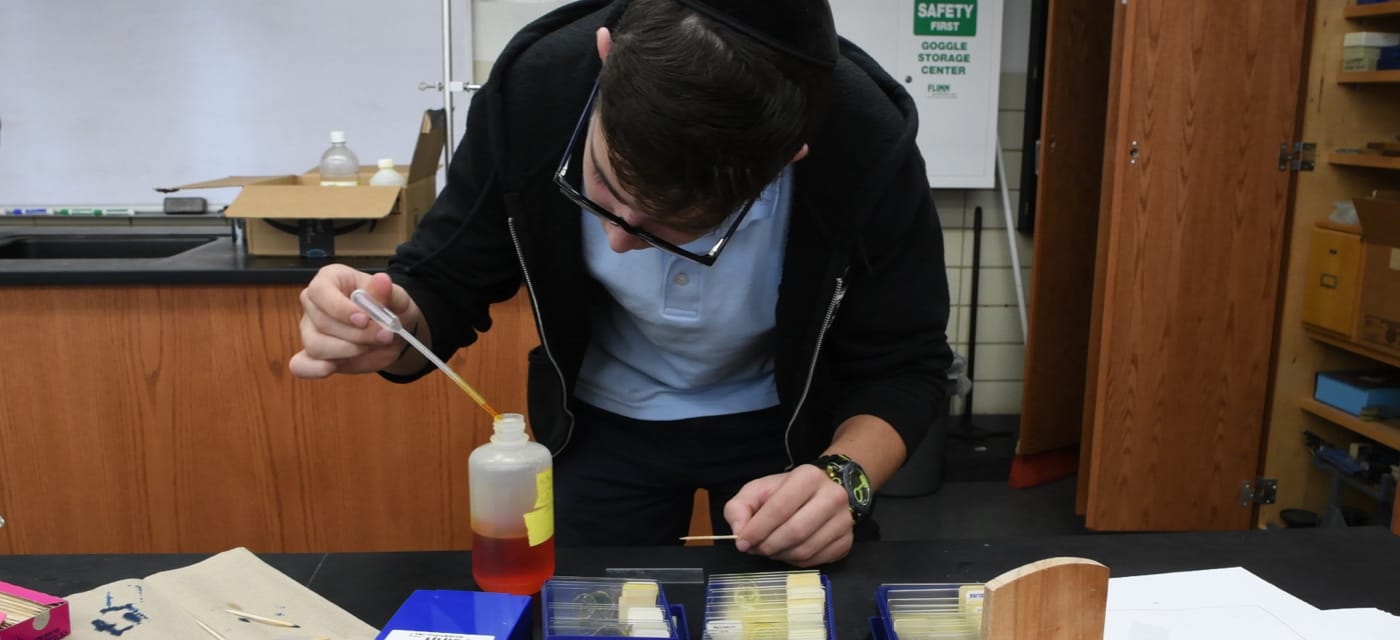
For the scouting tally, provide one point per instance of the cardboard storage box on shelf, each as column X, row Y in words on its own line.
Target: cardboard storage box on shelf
column 1334, row 279
column 1378, row 312
column 292, row 215
column 1369, row 50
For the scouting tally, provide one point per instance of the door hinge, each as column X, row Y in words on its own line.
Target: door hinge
column 1299, row 156
column 1261, row 491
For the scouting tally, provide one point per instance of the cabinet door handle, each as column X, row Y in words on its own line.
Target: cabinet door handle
column 1328, row 281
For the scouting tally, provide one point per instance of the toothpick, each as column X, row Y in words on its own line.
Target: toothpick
column 728, row 537
column 17, row 605
column 256, row 618
column 212, row 632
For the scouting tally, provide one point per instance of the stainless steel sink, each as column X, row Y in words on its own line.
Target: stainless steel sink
column 97, row 246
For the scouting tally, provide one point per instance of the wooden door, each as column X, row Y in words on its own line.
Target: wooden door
column 1197, row 210
column 1078, row 39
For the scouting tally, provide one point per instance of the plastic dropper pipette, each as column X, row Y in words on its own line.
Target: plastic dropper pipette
column 387, row 319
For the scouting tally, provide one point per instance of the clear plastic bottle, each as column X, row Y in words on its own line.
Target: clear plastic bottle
column 387, row 176
column 512, row 505
column 339, row 166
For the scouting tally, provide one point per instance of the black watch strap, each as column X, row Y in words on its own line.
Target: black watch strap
column 851, row 476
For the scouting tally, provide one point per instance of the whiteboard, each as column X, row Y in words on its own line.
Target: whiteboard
column 103, row 101
column 950, row 63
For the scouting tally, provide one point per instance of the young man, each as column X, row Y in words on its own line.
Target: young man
column 726, row 233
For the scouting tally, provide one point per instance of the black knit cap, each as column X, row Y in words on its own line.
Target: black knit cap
column 802, row 29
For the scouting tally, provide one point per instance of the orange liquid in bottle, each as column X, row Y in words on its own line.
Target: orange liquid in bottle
column 511, row 565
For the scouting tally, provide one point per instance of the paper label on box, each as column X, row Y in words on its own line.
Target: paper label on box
column 971, row 597
column 401, row 634
column 724, row 629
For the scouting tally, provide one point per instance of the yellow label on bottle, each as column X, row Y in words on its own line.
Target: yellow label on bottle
column 539, row 525
column 544, row 488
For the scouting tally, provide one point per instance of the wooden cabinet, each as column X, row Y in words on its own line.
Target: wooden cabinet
column 1198, row 371
column 1342, row 110
column 1187, row 247
column 163, row 419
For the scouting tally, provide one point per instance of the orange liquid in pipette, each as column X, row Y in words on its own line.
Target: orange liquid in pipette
column 480, row 401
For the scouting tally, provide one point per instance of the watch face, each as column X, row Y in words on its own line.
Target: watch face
column 859, row 485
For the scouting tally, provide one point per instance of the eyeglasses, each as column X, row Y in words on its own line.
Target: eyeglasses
column 574, row 195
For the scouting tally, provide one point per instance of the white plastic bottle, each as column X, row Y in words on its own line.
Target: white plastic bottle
column 339, row 166
column 387, row 176
column 512, row 505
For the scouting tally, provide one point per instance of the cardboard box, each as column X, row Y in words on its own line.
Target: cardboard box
column 1333, row 280
column 429, row 615
column 1378, row 313
column 17, row 621
column 1367, row 394
column 292, row 215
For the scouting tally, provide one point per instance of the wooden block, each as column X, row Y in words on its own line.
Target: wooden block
column 1052, row 599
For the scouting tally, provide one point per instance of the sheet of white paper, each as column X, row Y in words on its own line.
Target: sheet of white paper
column 1216, row 603
column 172, row 603
column 1224, row 623
column 1363, row 624
column 1229, row 603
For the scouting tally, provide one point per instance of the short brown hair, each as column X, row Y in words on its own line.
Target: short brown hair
column 699, row 117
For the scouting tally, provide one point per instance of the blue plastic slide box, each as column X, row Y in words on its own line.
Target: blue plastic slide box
column 750, row 590
column 947, row 611
column 473, row 615
column 1369, row 394
column 576, row 608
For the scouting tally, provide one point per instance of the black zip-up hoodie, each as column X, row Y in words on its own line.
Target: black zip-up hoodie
column 863, row 303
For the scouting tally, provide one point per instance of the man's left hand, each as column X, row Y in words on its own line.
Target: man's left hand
column 800, row 517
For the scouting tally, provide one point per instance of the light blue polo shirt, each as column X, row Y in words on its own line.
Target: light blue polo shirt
column 682, row 340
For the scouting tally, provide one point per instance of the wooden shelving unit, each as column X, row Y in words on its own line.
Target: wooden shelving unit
column 1349, row 107
column 1354, row 347
column 1369, row 77
column 1386, row 432
column 1364, row 160
column 1379, row 10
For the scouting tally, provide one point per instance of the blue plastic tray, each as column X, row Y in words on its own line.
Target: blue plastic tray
column 565, row 591
column 830, row 611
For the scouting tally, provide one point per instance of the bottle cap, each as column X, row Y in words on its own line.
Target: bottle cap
column 386, row 163
column 509, row 427
column 337, row 136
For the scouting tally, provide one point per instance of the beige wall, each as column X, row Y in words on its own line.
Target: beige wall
column 1001, row 351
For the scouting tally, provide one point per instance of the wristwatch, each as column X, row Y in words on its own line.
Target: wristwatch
column 848, row 473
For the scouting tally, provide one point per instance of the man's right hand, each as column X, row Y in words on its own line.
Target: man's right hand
column 339, row 337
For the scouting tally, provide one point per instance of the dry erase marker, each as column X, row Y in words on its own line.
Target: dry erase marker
column 28, row 211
